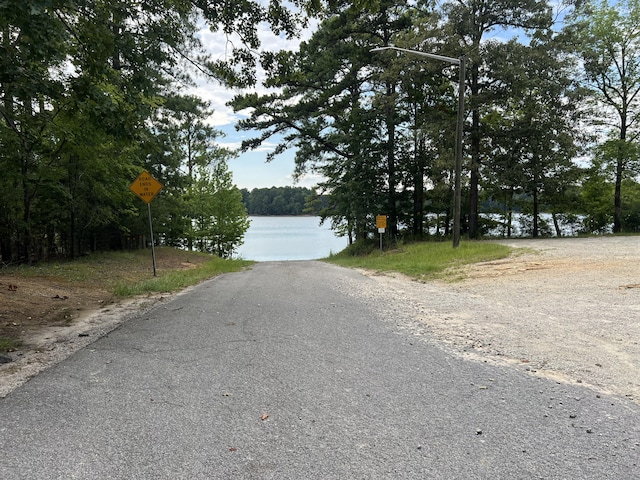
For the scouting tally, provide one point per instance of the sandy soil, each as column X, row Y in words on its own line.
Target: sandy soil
column 568, row 309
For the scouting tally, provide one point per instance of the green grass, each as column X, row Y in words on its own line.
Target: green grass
column 131, row 273
column 177, row 279
column 8, row 344
column 425, row 260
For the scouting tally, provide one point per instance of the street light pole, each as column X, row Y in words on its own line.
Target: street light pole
column 457, row 199
column 457, row 202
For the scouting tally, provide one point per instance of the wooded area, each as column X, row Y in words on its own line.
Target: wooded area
column 93, row 92
column 551, row 123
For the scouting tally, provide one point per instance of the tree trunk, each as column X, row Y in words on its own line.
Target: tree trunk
column 391, row 162
column 535, row 213
column 617, row 200
column 418, row 188
column 447, row 223
column 27, row 193
column 556, row 224
column 26, row 217
column 536, row 207
column 508, row 217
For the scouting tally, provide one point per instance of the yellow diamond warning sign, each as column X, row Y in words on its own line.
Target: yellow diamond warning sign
column 146, row 187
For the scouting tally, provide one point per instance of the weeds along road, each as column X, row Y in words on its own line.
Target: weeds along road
column 285, row 371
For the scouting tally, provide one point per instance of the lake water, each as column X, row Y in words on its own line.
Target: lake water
column 289, row 238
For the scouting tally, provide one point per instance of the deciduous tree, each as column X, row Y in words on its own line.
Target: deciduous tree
column 531, row 134
column 608, row 40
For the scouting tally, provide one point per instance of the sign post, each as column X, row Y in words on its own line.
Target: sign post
column 381, row 224
column 146, row 188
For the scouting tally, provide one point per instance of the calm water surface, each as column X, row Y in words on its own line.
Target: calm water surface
column 289, row 238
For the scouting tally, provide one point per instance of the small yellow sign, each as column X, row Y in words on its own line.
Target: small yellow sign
column 146, row 187
column 381, row 221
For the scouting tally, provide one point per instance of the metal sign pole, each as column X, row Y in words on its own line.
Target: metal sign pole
column 381, row 223
column 153, row 250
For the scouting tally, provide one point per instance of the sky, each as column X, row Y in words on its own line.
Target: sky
column 250, row 170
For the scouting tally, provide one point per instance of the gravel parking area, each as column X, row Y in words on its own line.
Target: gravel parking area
column 565, row 308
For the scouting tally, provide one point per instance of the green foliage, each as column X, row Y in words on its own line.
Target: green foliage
column 608, row 42
column 218, row 215
column 336, row 107
column 631, row 206
column 199, row 207
column 469, row 22
column 88, row 98
column 90, row 95
column 380, row 128
column 357, row 249
column 531, row 126
column 425, row 260
column 595, row 196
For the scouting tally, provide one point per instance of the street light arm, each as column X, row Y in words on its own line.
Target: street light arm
column 454, row 61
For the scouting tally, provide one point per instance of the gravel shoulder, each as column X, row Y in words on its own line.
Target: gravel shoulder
column 567, row 309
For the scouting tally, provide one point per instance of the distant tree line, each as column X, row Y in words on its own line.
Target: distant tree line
column 283, row 201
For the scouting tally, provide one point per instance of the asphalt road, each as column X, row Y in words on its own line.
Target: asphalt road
column 284, row 372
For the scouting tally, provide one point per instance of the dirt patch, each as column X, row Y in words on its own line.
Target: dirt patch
column 29, row 305
column 568, row 309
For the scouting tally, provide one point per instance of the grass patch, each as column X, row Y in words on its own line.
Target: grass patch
column 424, row 260
column 130, row 273
column 8, row 345
column 173, row 280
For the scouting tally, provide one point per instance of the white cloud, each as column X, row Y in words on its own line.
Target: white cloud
column 219, row 46
column 250, row 169
column 309, row 180
column 217, row 96
column 229, row 145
